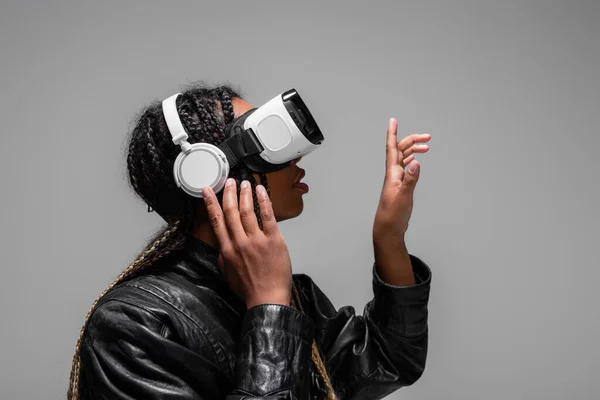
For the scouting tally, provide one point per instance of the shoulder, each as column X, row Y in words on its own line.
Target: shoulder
column 128, row 307
column 168, row 304
column 123, row 320
column 165, row 295
column 134, row 317
column 133, row 334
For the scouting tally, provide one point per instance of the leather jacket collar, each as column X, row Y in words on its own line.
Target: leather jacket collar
column 203, row 254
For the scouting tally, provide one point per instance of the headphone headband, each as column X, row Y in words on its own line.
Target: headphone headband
column 169, row 107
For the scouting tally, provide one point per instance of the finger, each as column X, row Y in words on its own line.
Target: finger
column 247, row 215
column 267, row 217
column 408, row 141
column 408, row 159
column 400, row 169
column 411, row 177
column 231, row 212
column 416, row 148
column 216, row 217
column 391, row 146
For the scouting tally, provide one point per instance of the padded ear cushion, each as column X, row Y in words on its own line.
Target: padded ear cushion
column 202, row 165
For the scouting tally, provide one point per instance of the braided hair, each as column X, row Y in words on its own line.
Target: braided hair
column 204, row 111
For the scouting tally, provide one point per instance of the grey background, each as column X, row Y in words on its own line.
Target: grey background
column 505, row 209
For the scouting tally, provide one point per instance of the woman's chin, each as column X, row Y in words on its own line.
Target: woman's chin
column 291, row 211
column 300, row 208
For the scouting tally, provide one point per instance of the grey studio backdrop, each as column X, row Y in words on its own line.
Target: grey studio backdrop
column 505, row 211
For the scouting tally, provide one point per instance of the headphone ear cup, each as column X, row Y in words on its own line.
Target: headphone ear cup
column 203, row 164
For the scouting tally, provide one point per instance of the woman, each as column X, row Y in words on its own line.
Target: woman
column 210, row 309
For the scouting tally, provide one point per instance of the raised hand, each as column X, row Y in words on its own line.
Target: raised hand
column 255, row 263
column 396, row 201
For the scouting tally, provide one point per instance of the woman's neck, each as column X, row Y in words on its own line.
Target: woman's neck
column 204, row 231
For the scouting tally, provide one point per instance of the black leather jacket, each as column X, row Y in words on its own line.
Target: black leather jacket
column 178, row 332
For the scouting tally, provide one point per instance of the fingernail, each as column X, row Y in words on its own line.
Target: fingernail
column 229, row 182
column 260, row 189
column 412, row 168
column 244, row 184
column 204, row 192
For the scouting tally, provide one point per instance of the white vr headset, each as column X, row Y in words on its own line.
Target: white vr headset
column 265, row 139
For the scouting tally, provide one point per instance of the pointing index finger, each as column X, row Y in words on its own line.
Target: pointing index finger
column 392, row 156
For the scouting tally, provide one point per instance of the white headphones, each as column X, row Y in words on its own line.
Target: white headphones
column 264, row 139
column 198, row 164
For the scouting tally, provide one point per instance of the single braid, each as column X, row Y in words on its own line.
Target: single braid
column 316, row 356
column 226, row 104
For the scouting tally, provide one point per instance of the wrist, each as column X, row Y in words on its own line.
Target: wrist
column 393, row 261
column 389, row 242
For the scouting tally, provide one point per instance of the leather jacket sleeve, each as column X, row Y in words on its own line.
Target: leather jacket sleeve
column 274, row 356
column 370, row 356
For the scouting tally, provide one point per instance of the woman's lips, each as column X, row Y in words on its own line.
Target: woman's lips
column 301, row 186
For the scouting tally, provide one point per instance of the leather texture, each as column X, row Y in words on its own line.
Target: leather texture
column 178, row 332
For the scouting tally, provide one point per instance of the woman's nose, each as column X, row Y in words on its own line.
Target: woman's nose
column 296, row 160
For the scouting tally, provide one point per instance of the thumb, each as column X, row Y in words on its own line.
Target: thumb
column 411, row 176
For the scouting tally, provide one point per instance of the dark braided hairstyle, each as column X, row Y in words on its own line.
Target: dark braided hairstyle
column 205, row 111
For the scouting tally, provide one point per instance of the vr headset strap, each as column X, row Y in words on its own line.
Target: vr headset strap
column 240, row 145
